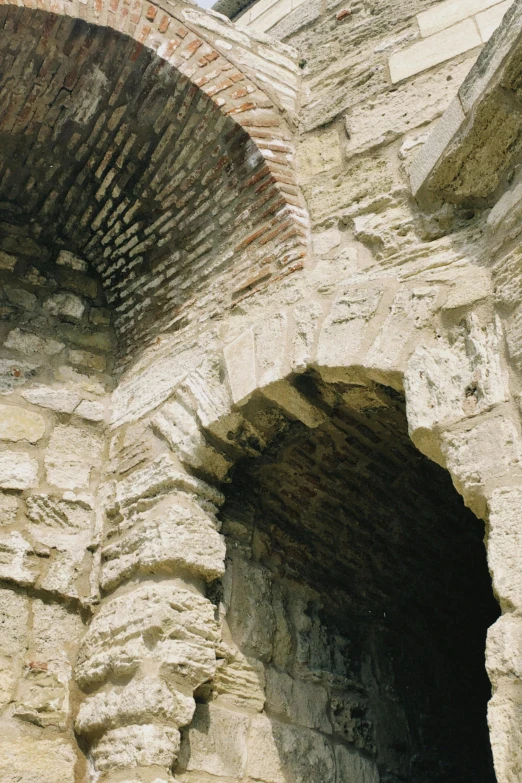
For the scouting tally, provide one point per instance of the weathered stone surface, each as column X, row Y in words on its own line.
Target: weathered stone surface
column 135, row 703
column 29, row 344
column 164, row 623
column 136, row 746
column 482, row 454
column 345, row 328
column 18, row 470
column 454, row 379
column 14, row 617
column 73, row 454
column 65, row 305
column 63, row 400
column 275, row 748
column 504, row 542
column 20, row 424
column 300, row 703
column 168, row 534
column 9, row 505
column 31, row 760
column 14, row 563
column 216, row 742
column 239, row 680
column 42, row 695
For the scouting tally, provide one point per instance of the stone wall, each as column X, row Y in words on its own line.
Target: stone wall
column 293, row 401
column 55, row 382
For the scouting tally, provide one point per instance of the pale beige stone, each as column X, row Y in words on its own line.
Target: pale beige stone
column 217, row 742
column 73, row 454
column 29, row 343
column 9, row 505
column 318, row 154
column 504, row 543
column 31, row 760
column 448, row 13
column 18, row 470
column 136, row 746
column 20, row 424
column 241, row 366
column 172, row 626
column 93, row 361
column 59, row 399
column 68, row 259
column 300, row 703
column 65, row 305
column 436, row 49
column 7, row 681
column 14, row 618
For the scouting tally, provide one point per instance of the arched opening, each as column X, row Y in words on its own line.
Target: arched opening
column 357, row 592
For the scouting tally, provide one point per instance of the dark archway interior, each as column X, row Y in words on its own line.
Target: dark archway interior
column 355, row 512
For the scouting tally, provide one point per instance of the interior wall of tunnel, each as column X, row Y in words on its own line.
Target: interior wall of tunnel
column 355, row 607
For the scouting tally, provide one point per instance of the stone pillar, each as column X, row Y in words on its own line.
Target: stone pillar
column 153, row 640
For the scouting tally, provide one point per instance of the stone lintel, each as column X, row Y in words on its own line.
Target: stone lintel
column 476, row 144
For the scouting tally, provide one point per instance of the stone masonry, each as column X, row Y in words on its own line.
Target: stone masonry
column 260, row 391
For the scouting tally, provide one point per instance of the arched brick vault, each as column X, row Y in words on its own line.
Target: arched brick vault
column 128, row 136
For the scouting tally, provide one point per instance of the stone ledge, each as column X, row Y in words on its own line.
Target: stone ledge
column 484, row 123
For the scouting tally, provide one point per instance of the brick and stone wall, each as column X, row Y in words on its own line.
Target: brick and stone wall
column 233, row 348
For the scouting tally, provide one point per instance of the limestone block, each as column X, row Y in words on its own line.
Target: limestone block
column 217, row 742
column 7, row 681
column 72, row 455
column 301, row 703
column 211, row 397
column 68, row 516
column 69, row 260
column 436, row 49
column 93, row 361
column 325, row 241
column 239, row 680
column 14, row 617
column 20, row 424
column 437, row 143
column 56, row 631
column 136, row 746
column 42, row 695
column 489, row 20
column 250, row 615
column 15, row 565
column 91, row 410
column 504, row 545
column 161, row 622
column 284, row 394
column 170, row 533
column 379, row 121
column 62, row 399
column 482, row 453
column 346, row 326
column 9, row 505
column 183, row 434
column 32, row 760
column 67, row 572
column 65, row 305
column 410, row 310
column 504, row 649
column 505, row 729
column 335, row 194
column 28, row 343
column 161, row 474
column 278, row 752
column 270, row 341
column 21, row 297
column 136, row 703
column 454, row 379
column 306, row 321
column 18, row 470
column 14, row 374
column 473, row 287
column 241, row 366
column 354, row 766
column 317, row 154
column 7, row 261
column 448, row 13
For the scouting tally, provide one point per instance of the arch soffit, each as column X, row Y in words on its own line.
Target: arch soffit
column 253, row 82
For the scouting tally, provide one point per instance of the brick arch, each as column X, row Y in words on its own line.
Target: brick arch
column 141, row 220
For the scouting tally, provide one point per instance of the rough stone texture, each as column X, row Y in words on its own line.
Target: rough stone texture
column 216, row 289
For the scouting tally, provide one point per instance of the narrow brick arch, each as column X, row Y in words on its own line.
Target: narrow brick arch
column 212, row 166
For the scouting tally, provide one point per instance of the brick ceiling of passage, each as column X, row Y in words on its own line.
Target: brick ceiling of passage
column 121, row 158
